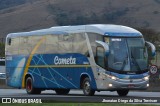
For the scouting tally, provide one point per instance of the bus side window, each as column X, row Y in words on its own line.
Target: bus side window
column 80, row 44
column 100, row 56
column 51, row 44
column 9, row 41
column 2, row 62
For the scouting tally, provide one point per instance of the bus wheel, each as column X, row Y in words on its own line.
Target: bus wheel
column 29, row 87
column 122, row 92
column 62, row 91
column 87, row 90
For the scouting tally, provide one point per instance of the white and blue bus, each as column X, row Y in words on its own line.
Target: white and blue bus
column 94, row 57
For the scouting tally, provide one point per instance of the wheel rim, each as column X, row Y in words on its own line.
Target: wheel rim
column 29, row 85
column 87, row 87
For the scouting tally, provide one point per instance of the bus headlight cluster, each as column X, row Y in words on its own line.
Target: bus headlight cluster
column 146, row 78
column 111, row 77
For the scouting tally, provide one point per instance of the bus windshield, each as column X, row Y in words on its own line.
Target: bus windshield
column 127, row 54
column 138, row 53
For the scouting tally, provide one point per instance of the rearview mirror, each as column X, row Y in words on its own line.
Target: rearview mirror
column 153, row 49
column 105, row 46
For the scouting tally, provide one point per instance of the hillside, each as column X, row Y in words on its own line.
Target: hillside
column 29, row 15
column 137, row 13
column 10, row 3
column 25, row 17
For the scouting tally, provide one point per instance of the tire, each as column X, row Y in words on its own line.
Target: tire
column 122, row 92
column 62, row 91
column 86, row 85
column 29, row 87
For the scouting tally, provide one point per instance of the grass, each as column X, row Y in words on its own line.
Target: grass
column 79, row 104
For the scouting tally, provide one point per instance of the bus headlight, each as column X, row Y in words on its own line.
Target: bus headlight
column 146, row 78
column 110, row 85
column 113, row 78
column 110, row 76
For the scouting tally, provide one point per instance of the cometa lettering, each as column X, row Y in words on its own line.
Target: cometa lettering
column 69, row 60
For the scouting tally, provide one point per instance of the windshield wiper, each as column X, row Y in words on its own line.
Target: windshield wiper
column 124, row 63
column 137, row 65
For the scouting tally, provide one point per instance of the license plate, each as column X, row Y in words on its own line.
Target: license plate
column 131, row 86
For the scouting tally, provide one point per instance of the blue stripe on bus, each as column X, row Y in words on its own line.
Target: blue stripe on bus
column 50, row 77
column 123, row 34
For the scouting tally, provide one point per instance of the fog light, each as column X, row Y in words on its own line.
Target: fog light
column 110, row 85
column 147, row 85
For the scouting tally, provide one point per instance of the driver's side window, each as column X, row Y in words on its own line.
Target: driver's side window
column 100, row 56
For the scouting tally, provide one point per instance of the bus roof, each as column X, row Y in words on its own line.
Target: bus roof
column 103, row 29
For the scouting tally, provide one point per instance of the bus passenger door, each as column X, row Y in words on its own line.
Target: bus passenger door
column 100, row 56
column 102, row 52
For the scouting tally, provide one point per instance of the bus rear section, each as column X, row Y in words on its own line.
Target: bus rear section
column 51, row 61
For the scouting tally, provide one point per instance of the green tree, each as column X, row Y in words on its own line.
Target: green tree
column 153, row 37
column 2, row 49
column 150, row 35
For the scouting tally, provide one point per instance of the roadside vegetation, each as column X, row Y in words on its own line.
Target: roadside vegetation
column 2, row 49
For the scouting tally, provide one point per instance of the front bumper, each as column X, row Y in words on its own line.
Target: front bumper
column 130, row 84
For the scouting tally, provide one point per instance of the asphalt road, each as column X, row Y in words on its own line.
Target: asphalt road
column 77, row 96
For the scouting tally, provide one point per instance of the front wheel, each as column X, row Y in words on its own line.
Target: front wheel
column 122, row 92
column 29, row 87
column 87, row 90
column 62, row 91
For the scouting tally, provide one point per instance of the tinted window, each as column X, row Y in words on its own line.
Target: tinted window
column 2, row 63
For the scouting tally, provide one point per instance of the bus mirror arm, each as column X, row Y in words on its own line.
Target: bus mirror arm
column 153, row 49
column 105, row 46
